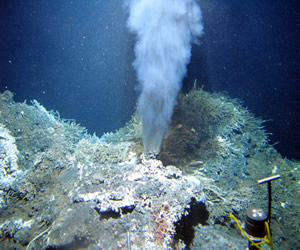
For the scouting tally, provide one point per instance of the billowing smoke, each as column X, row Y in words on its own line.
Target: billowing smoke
column 165, row 30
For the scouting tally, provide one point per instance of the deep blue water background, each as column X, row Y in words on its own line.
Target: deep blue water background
column 71, row 56
column 75, row 57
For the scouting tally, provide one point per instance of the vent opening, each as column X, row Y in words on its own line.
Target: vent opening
column 197, row 214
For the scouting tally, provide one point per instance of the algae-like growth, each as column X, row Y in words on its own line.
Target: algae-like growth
column 63, row 188
column 211, row 125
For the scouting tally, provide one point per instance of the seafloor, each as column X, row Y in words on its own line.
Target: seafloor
column 61, row 188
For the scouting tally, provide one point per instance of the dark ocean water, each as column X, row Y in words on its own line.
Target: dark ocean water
column 71, row 56
column 76, row 56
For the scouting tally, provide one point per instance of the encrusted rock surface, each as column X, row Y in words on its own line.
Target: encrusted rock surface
column 136, row 205
column 61, row 188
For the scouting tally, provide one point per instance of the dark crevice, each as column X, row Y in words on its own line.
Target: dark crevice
column 78, row 243
column 197, row 214
column 127, row 209
column 110, row 214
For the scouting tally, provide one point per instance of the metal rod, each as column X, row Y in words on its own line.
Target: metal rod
column 269, row 180
column 269, row 203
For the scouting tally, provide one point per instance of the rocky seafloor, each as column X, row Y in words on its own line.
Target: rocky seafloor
column 61, row 188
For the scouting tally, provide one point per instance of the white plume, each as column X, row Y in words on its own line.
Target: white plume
column 165, row 30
